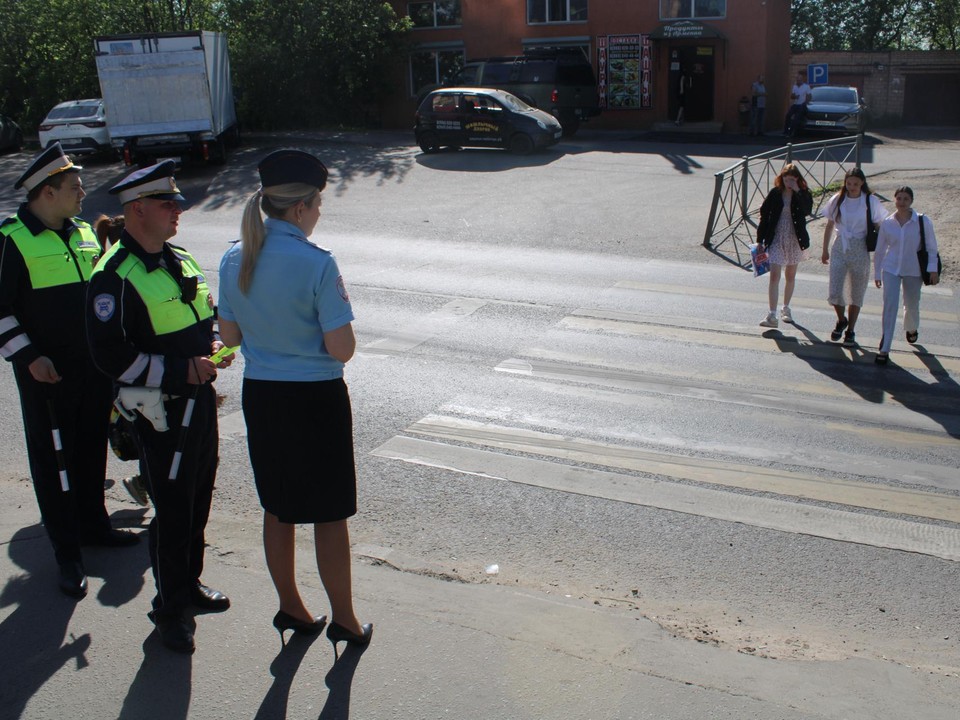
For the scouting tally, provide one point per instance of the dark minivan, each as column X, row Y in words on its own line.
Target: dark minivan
column 557, row 80
column 482, row 117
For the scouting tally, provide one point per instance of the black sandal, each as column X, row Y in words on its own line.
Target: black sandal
column 838, row 329
column 881, row 358
column 912, row 337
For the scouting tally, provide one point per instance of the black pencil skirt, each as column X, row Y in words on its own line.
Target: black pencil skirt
column 300, row 436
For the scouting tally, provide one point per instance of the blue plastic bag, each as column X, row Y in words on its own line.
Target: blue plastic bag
column 761, row 260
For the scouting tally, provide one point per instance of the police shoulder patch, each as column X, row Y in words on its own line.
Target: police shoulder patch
column 104, row 305
column 342, row 289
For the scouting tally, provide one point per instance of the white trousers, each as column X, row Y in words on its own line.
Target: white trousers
column 891, row 305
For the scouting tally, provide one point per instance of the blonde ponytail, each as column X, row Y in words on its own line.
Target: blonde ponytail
column 274, row 201
column 252, row 233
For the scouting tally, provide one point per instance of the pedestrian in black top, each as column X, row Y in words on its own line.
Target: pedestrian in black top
column 150, row 328
column 782, row 231
column 46, row 258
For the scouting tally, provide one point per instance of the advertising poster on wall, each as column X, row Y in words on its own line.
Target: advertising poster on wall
column 624, row 62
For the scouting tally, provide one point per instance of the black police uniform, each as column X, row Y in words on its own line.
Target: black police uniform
column 147, row 316
column 42, row 301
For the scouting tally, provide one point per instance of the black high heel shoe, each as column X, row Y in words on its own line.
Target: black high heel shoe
column 337, row 633
column 284, row 621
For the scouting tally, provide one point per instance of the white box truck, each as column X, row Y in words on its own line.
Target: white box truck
column 167, row 95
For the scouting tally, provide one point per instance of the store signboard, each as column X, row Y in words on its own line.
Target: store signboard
column 624, row 71
column 685, row 29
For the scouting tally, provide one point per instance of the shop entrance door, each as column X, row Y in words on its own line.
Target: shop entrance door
column 696, row 63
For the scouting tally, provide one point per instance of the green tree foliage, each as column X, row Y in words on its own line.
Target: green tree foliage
column 47, row 53
column 304, row 63
column 939, row 22
column 868, row 25
column 295, row 63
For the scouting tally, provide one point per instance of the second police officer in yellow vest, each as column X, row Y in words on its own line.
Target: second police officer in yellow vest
column 150, row 327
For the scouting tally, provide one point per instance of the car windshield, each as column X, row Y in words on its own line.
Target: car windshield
column 72, row 112
column 513, row 102
column 834, row 95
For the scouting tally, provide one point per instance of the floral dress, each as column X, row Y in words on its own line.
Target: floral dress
column 785, row 248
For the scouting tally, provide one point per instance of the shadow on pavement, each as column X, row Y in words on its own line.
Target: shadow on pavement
column 162, row 686
column 938, row 401
column 340, row 682
column 284, row 668
column 33, row 635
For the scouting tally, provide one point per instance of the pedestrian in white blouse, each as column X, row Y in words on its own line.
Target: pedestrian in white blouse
column 848, row 257
column 895, row 263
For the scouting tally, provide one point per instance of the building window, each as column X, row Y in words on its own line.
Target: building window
column 582, row 45
column 441, row 13
column 429, row 68
column 686, row 9
column 556, row 11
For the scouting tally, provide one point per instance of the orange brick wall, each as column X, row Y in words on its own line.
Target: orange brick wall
column 757, row 41
column 882, row 76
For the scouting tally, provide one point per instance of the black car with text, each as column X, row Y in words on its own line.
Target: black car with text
column 483, row 117
column 557, row 80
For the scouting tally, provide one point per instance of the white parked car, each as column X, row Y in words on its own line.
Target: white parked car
column 79, row 125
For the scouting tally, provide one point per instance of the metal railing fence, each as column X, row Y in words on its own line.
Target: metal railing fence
column 741, row 188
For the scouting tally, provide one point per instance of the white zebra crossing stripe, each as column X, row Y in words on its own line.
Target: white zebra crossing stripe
column 865, row 529
column 716, row 472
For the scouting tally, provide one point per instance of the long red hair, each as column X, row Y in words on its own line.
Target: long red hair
column 790, row 169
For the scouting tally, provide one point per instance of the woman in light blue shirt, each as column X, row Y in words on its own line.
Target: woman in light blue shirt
column 282, row 299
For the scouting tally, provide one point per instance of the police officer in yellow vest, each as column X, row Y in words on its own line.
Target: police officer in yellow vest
column 150, row 328
column 46, row 258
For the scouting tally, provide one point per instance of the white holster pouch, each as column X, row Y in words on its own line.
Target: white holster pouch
column 146, row 401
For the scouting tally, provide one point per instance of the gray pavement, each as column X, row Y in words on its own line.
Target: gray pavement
column 441, row 649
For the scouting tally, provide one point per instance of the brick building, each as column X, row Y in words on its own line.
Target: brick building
column 638, row 49
column 912, row 87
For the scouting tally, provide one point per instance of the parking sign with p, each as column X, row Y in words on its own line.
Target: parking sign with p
column 818, row 74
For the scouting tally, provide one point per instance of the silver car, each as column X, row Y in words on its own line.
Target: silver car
column 835, row 109
column 79, row 125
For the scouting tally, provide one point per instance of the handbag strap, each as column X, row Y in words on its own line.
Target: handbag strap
column 923, row 237
column 866, row 199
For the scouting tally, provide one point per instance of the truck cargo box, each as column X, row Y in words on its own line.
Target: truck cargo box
column 167, row 94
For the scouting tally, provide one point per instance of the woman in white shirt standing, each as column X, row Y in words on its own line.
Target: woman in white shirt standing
column 895, row 262
column 849, row 259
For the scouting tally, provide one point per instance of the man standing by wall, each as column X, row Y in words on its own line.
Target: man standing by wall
column 758, row 105
column 150, row 328
column 799, row 97
column 46, row 259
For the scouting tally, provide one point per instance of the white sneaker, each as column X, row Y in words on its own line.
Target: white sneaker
column 786, row 315
column 770, row 320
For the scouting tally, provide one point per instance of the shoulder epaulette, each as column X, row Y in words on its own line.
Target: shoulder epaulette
column 114, row 261
column 10, row 220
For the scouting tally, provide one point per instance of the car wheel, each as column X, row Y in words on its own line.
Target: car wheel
column 429, row 143
column 218, row 152
column 521, row 144
column 570, row 125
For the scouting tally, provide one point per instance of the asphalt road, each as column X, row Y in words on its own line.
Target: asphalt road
column 556, row 379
